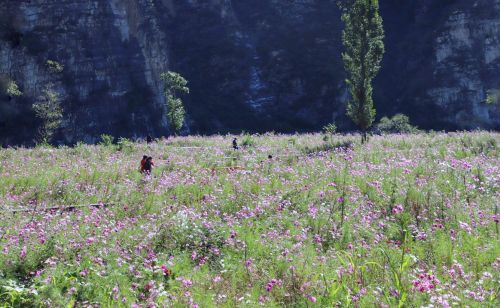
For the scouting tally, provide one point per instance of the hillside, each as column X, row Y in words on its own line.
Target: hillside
column 252, row 65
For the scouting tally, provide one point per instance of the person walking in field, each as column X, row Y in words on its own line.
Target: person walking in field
column 143, row 161
column 148, row 165
column 235, row 144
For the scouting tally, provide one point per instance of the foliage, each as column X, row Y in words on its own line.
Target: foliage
column 398, row 124
column 362, row 38
column 247, row 140
column 12, row 294
column 175, row 114
column 13, row 89
column 329, row 131
column 124, row 144
column 48, row 110
column 405, row 221
column 493, row 97
column 9, row 86
column 55, row 67
column 106, row 140
column 175, row 84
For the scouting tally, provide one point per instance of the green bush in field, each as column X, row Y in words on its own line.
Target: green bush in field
column 106, row 140
column 329, row 131
column 398, row 124
column 124, row 144
column 247, row 140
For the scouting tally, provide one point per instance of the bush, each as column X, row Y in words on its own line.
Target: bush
column 55, row 67
column 124, row 144
column 247, row 140
column 493, row 97
column 9, row 86
column 106, row 140
column 329, row 131
column 13, row 294
column 398, row 124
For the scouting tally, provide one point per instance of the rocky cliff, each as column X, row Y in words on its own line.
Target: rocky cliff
column 252, row 64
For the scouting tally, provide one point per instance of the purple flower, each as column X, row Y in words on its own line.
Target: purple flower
column 248, row 263
column 273, row 282
column 22, row 254
column 85, row 272
column 425, row 283
column 187, row 283
column 311, row 298
column 313, row 211
column 398, row 208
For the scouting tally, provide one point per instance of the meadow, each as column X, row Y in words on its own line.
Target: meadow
column 401, row 221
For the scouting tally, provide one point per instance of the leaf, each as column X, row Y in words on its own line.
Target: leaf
column 334, row 290
column 71, row 304
column 402, row 300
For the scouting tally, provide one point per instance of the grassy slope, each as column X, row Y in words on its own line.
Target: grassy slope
column 402, row 220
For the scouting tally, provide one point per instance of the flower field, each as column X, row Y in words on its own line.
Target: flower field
column 402, row 221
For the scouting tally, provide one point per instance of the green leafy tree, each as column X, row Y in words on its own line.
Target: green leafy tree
column 364, row 48
column 493, row 97
column 175, row 84
column 48, row 110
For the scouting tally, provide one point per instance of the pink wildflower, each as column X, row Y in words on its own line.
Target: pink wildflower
column 248, row 263
column 22, row 254
column 398, row 208
column 311, row 298
column 273, row 282
column 425, row 283
column 84, row 272
column 187, row 283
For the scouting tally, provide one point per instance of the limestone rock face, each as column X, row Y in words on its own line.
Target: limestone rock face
column 112, row 52
column 252, row 65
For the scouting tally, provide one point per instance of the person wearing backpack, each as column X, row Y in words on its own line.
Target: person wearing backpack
column 143, row 161
column 148, row 165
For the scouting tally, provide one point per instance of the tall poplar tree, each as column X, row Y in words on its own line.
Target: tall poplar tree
column 363, row 51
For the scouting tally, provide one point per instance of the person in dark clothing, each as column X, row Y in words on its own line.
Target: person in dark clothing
column 149, row 139
column 143, row 161
column 235, row 144
column 148, row 165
